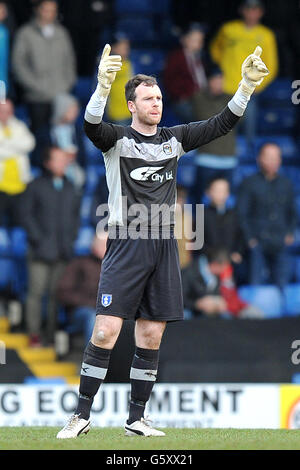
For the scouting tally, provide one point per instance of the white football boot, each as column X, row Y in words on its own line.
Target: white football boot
column 74, row 427
column 142, row 428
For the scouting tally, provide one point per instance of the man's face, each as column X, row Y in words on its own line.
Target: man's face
column 147, row 106
column 58, row 162
column 218, row 192
column 6, row 111
column 253, row 15
column 193, row 41
column 269, row 160
column 47, row 12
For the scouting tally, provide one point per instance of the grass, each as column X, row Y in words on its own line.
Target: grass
column 43, row 438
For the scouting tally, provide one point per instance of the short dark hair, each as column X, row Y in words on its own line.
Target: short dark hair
column 134, row 82
column 217, row 254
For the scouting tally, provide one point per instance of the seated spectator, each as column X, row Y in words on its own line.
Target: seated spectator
column 64, row 135
column 78, row 287
column 218, row 157
column 16, row 141
column 237, row 39
column 268, row 218
column 43, row 62
column 51, row 219
column 209, row 289
column 221, row 223
column 117, row 110
column 186, row 72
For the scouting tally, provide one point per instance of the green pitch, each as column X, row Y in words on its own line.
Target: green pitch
column 39, row 438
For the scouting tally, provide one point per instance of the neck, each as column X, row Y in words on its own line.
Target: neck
column 147, row 129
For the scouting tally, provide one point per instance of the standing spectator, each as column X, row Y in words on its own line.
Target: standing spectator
column 51, row 216
column 218, row 157
column 186, row 72
column 221, row 223
column 236, row 39
column 16, row 141
column 117, row 110
column 78, row 287
column 43, row 62
column 268, row 218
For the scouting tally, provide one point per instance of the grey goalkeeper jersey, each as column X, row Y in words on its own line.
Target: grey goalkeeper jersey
column 141, row 170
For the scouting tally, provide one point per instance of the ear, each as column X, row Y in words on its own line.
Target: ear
column 131, row 106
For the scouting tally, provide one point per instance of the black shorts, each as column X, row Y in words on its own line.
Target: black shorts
column 141, row 279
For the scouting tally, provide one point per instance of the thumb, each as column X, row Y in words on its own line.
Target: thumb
column 258, row 51
column 106, row 51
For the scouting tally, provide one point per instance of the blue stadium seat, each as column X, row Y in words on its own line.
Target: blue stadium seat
column 85, row 237
column 85, row 209
column 6, row 272
column 93, row 174
column 277, row 92
column 242, row 172
column 276, row 120
column 148, row 61
column 287, row 144
column 35, row 172
column 92, row 154
column 5, row 242
column 293, row 173
column 243, row 151
column 267, row 298
column 138, row 28
column 297, row 269
column 134, row 6
column 292, row 300
column 83, row 89
column 18, row 238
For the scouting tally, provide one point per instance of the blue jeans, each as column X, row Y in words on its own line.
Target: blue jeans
column 82, row 321
column 277, row 263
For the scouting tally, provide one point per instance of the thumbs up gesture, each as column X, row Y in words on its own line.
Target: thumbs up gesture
column 108, row 67
column 253, row 71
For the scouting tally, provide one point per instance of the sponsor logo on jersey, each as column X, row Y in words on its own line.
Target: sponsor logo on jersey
column 106, row 300
column 147, row 173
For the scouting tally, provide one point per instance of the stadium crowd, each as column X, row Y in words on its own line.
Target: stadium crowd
column 52, row 179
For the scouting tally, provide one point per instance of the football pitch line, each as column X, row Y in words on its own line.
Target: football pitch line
column 44, row 438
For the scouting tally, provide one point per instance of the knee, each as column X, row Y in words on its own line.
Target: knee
column 105, row 334
column 150, row 336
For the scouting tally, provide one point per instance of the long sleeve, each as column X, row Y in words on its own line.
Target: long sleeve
column 29, row 220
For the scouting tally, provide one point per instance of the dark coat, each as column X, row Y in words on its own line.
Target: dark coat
column 50, row 218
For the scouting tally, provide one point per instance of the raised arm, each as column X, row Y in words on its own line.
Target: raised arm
column 102, row 135
column 196, row 134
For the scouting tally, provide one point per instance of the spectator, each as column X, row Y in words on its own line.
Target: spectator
column 237, row 39
column 65, row 136
column 219, row 156
column 43, row 62
column 4, row 45
column 16, row 142
column 117, row 110
column 78, row 287
column 183, row 227
column 51, row 217
column 221, row 224
column 186, row 72
column 268, row 218
column 209, row 289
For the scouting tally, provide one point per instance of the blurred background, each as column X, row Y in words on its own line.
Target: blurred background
column 242, row 290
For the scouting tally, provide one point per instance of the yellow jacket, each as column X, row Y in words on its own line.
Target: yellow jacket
column 117, row 109
column 234, row 42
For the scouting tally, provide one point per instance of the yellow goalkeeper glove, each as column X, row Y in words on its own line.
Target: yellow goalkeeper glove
column 253, row 72
column 108, row 67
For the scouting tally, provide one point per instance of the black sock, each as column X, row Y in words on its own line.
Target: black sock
column 93, row 372
column 142, row 378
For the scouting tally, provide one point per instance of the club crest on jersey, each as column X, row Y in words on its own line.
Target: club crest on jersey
column 167, row 149
column 106, row 300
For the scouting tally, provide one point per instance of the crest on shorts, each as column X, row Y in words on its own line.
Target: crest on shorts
column 167, row 149
column 106, row 300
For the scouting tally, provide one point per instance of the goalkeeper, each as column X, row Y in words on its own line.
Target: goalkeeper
column 140, row 277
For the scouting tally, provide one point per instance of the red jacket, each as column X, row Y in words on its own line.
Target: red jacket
column 229, row 292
